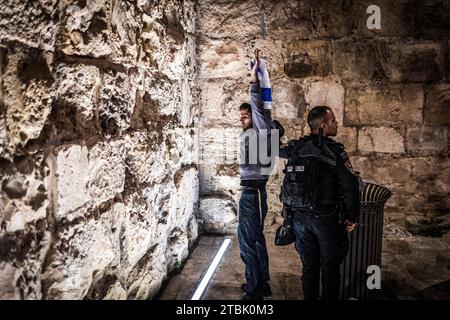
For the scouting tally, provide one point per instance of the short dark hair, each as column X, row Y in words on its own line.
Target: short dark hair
column 316, row 116
column 246, row 106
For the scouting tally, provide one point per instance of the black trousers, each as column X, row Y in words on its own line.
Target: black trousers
column 322, row 243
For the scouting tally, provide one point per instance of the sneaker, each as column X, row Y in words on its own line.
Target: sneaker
column 266, row 292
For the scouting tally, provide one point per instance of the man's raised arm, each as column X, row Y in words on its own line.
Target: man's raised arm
column 260, row 94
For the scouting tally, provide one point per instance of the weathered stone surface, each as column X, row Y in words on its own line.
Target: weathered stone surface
column 99, row 147
column 413, row 62
column 427, row 139
column 221, row 100
column 222, row 58
column 417, row 183
column 289, row 100
column 27, row 96
column 448, row 60
column 78, row 90
column 285, row 19
column 385, row 140
column 100, row 29
column 72, row 175
column 218, row 215
column 24, row 240
column 392, row 105
column 434, row 227
column 397, row 18
column 437, row 102
column 308, row 58
column 274, row 52
column 327, row 93
column 29, row 22
column 222, row 179
column 331, row 18
column 225, row 19
column 106, row 171
column 117, row 97
column 431, row 18
column 347, row 136
column 220, row 145
column 9, row 277
column 357, row 61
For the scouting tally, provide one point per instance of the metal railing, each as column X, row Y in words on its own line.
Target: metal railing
column 365, row 244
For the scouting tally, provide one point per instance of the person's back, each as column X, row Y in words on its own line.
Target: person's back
column 319, row 185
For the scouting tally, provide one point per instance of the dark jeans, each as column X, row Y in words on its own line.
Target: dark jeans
column 322, row 243
column 252, row 244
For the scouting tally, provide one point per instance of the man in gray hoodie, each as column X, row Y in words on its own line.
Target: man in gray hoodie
column 256, row 162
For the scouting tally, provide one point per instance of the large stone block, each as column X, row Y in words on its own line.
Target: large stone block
column 184, row 148
column 106, row 171
column 116, row 103
column 100, row 29
column 308, row 58
column 274, row 52
column 28, row 95
column 71, row 177
column 392, row 105
column 348, row 137
column 85, row 29
column 288, row 100
column 146, row 163
column 331, row 18
column 78, row 87
column 224, row 19
column 417, row 62
column 221, row 99
column 327, row 93
column 427, row 139
column 223, row 179
column 437, row 102
column 220, row 145
column 284, row 19
column 397, row 18
column 218, row 215
column 9, row 276
column 356, row 61
column 383, row 140
column 29, row 22
column 222, row 59
column 432, row 19
column 78, row 262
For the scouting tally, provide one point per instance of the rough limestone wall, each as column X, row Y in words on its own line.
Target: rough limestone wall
column 388, row 88
column 98, row 146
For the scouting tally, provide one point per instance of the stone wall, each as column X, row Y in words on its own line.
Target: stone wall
column 389, row 89
column 98, row 146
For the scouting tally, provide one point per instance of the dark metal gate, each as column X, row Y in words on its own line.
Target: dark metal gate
column 365, row 244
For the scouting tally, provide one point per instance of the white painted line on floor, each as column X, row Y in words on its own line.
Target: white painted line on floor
column 208, row 275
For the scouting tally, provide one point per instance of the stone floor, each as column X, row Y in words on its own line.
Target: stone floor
column 413, row 268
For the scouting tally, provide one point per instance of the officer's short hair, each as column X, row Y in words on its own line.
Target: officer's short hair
column 246, row 106
column 316, row 116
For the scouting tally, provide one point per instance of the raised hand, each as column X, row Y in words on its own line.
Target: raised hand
column 255, row 62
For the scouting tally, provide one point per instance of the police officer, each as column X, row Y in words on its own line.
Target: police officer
column 321, row 226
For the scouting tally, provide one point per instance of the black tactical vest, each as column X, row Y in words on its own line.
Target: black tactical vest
column 311, row 180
